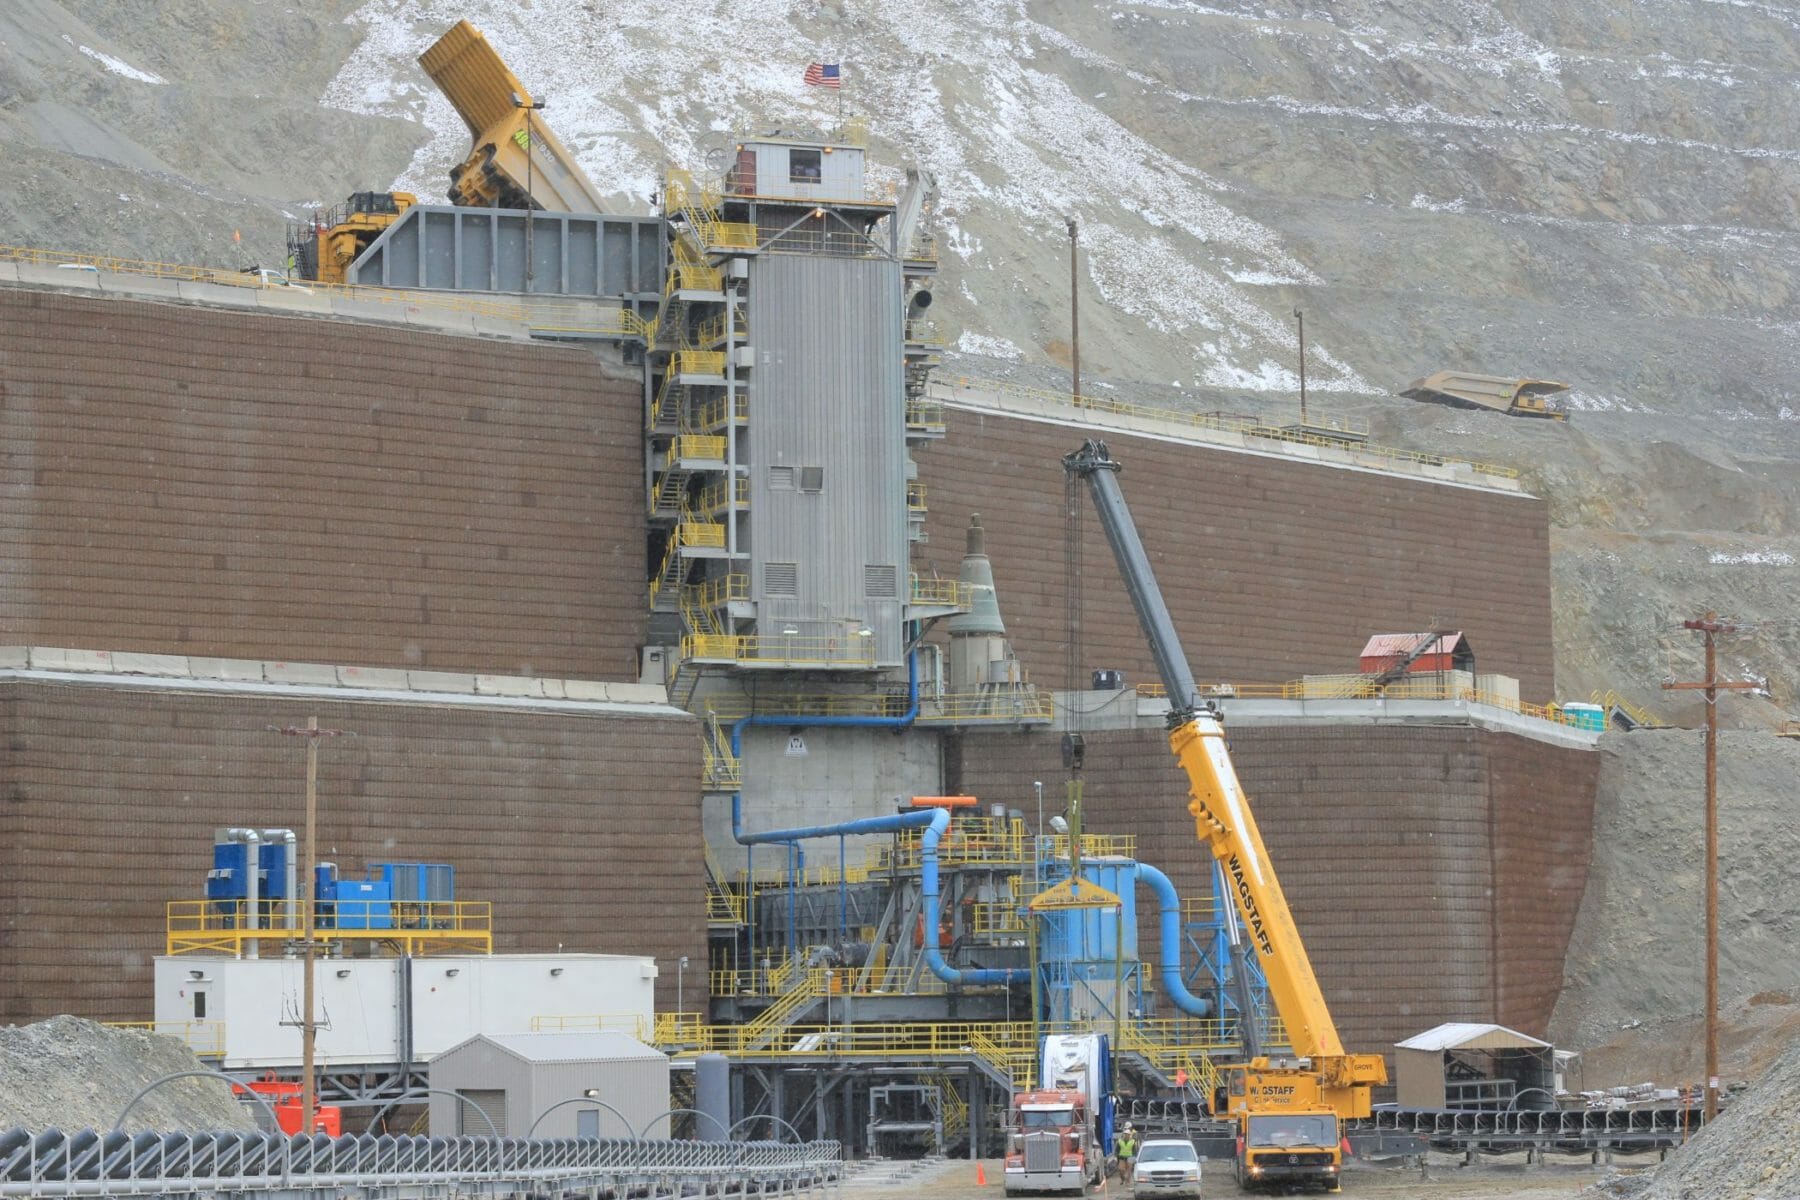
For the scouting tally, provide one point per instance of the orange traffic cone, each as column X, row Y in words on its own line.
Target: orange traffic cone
column 980, row 1175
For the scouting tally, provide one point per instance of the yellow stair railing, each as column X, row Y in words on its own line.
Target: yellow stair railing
column 953, row 1110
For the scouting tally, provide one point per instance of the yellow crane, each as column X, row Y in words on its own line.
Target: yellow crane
column 1288, row 1112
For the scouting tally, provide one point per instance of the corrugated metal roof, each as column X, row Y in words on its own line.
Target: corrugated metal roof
column 594, row 1046
column 1460, row 1035
column 1392, row 645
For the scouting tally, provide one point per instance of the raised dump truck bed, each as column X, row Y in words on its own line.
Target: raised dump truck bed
column 1519, row 397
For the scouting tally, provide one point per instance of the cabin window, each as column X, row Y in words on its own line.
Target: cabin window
column 804, row 166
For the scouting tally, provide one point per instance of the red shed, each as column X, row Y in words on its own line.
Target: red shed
column 1416, row 653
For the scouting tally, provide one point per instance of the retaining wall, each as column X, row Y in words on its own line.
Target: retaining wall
column 109, row 797
column 184, row 480
column 1272, row 568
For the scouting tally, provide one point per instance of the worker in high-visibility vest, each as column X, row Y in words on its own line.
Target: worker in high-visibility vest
column 1126, row 1149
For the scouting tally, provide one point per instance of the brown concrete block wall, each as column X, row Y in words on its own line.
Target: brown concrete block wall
column 1272, row 569
column 189, row 481
column 1386, row 840
column 109, row 799
column 1543, row 806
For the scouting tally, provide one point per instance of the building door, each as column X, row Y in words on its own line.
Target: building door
column 472, row 1103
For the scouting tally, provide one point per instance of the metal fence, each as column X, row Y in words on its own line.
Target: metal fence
column 87, row 1163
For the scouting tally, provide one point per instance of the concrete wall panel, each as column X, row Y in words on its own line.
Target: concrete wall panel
column 190, row 481
column 1272, row 569
column 109, row 798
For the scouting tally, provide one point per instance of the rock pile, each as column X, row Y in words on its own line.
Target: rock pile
column 1752, row 1152
column 75, row 1074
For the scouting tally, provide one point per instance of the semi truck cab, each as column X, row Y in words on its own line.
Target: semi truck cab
column 1051, row 1145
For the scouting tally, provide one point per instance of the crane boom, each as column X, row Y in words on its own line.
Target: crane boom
column 1223, row 821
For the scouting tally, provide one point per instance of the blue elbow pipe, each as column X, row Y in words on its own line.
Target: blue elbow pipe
column 928, row 883
column 737, row 750
column 1173, row 984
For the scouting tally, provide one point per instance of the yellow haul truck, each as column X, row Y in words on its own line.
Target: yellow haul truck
column 516, row 162
column 1287, row 1113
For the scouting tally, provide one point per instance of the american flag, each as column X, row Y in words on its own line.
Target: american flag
column 823, row 75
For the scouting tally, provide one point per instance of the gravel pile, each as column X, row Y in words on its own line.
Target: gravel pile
column 74, row 1074
column 1752, row 1152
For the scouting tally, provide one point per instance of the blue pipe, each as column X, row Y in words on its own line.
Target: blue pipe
column 737, row 751
column 1173, row 983
column 928, row 884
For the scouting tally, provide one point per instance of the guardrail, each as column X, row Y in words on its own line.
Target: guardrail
column 848, row 651
column 1352, row 687
column 205, row 1038
column 421, row 927
column 1352, row 442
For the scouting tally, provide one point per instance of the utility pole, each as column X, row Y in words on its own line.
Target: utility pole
column 1712, row 685
column 1074, row 317
column 1301, row 318
column 309, row 1028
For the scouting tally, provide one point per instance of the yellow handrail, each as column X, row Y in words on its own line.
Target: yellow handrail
column 947, row 593
column 697, row 362
column 1362, row 687
column 204, row 1038
column 710, row 447
column 846, row 651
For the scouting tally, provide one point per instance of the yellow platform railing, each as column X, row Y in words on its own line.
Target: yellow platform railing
column 845, row 651
column 1610, row 700
column 945, row 593
column 705, row 446
column 1357, row 687
column 223, row 927
column 205, row 1038
column 711, row 500
column 971, row 708
column 714, row 592
column 697, row 362
column 924, row 416
column 711, row 415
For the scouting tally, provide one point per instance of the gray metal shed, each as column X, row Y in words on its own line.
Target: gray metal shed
column 1464, row 1065
column 518, row 1078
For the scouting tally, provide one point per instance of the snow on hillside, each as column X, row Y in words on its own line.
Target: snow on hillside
column 1016, row 148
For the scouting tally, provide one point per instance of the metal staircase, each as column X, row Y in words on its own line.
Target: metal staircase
column 805, row 988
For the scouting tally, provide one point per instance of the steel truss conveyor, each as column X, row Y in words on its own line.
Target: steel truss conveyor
column 1400, row 1131
column 233, row 1163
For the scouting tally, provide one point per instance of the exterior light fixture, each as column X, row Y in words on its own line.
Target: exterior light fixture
column 344, row 974
column 789, row 630
column 453, row 972
column 590, row 1094
column 197, row 975
column 556, row 970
